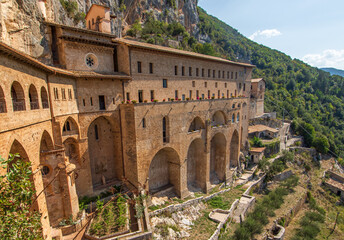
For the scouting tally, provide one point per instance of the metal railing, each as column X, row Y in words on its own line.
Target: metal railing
column 18, row 106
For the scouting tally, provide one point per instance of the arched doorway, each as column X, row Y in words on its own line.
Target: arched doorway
column 33, row 96
column 18, row 97
column 163, row 170
column 196, row 124
column 101, row 152
column 218, row 158
column 234, row 150
column 196, row 164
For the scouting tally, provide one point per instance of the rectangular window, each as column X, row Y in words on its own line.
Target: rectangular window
column 236, row 75
column 70, row 94
column 63, row 91
column 223, row 95
column 197, row 72
column 228, row 75
column 225, row 85
column 208, row 94
column 176, row 70
column 218, row 93
column 152, row 95
column 190, row 71
column 213, row 73
column 216, row 84
column 227, row 93
column 113, row 101
column 190, row 94
column 176, row 94
column 231, row 75
column 139, row 67
column 202, row 96
column 140, row 96
column 183, row 97
column 143, row 123
column 151, row 68
column 209, row 73
column 197, row 94
column 223, row 74
column 91, row 101
column 219, row 74
column 202, row 72
column 183, row 71
column 84, row 102
column 56, row 93
column 205, row 84
column 193, row 83
column 244, row 87
column 164, row 83
column 101, row 102
column 96, row 131
column 128, row 96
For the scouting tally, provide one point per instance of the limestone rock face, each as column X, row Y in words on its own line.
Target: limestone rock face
column 22, row 21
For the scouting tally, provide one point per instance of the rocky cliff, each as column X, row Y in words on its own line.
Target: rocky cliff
column 22, row 22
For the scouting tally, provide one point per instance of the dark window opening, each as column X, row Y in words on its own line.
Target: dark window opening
column 209, row 73
column 139, row 67
column 84, row 102
column 101, row 102
column 190, row 71
column 244, row 87
column 183, row 71
column 176, row 94
column 91, row 100
column 197, row 72
column 202, row 72
column 96, row 132
column 190, row 94
column 140, row 96
column 143, row 123
column 205, row 84
column 164, row 83
column 128, row 96
column 176, row 70
column 193, row 83
column 164, row 130
column 152, row 95
column 150, row 68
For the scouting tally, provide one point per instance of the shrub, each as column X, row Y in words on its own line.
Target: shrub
column 257, row 142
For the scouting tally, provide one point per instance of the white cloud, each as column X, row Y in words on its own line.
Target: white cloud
column 328, row 58
column 267, row 33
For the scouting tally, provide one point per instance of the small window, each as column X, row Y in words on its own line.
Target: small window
column 176, row 70
column 236, row 75
column 45, row 170
column 101, row 102
column 152, row 95
column 238, row 117
column 213, row 73
column 216, row 84
column 218, row 93
column 176, row 94
column 183, row 71
column 140, row 96
column 193, row 83
column 208, row 94
column 70, row 94
column 233, row 118
column 223, row 74
column 205, row 84
column 143, row 123
column 128, row 96
column 219, row 74
column 164, row 130
column 202, row 72
column 96, row 132
column 164, row 83
column 183, row 97
column 190, row 71
column 233, row 106
column 227, row 93
column 197, row 94
column 225, row 85
column 139, row 67
column 202, row 96
column 208, row 73
column 197, row 72
column 231, row 75
column 190, row 94
column 228, row 75
column 91, row 101
column 63, row 91
column 239, row 86
column 84, row 102
column 151, row 68
column 56, row 93
column 113, row 100
column 244, row 87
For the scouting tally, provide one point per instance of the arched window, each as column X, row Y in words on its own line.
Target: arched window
column 165, row 135
column 3, row 108
column 70, row 127
column 44, row 98
column 233, row 118
column 33, row 97
column 18, row 97
column 238, row 117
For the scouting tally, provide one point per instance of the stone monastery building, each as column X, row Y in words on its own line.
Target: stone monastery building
column 111, row 109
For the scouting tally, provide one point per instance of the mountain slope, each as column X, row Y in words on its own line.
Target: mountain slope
column 334, row 71
column 309, row 95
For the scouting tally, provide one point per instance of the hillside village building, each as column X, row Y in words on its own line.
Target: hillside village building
column 77, row 123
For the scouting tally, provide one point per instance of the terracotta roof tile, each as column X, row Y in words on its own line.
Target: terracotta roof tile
column 257, row 150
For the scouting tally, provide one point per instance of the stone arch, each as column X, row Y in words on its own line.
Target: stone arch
column 196, row 124
column 17, row 148
column 3, row 108
column 18, row 97
column 218, row 158
column 70, row 127
column 196, row 164
column 46, row 143
column 101, row 152
column 234, row 150
column 71, row 147
column 219, row 118
column 44, row 98
column 33, row 97
column 163, row 170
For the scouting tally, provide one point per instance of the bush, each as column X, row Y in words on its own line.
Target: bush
column 257, row 142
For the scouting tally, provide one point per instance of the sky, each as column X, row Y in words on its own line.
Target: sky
column 309, row 30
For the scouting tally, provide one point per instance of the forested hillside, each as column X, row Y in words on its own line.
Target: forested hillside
column 310, row 96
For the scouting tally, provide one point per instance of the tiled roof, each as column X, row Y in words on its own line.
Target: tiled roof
column 256, row 80
column 261, row 128
column 138, row 44
column 257, row 150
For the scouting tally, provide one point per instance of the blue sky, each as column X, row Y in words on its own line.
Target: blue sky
column 310, row 30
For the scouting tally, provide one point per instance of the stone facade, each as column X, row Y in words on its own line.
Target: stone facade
column 77, row 123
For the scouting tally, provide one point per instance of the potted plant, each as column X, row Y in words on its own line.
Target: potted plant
column 145, row 101
column 155, row 100
column 134, row 101
column 172, row 99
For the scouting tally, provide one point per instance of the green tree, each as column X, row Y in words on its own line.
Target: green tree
column 257, row 142
column 18, row 220
column 321, row 144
